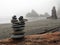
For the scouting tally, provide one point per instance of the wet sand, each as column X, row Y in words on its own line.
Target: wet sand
column 33, row 27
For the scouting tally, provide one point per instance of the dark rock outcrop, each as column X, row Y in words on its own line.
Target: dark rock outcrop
column 54, row 15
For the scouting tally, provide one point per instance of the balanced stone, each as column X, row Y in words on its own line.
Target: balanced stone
column 17, row 36
column 14, row 20
column 18, row 29
column 18, row 33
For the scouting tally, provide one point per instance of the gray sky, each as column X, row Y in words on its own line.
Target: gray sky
column 58, row 3
column 22, row 7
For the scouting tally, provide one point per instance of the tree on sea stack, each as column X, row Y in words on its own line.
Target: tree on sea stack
column 54, row 15
column 18, row 27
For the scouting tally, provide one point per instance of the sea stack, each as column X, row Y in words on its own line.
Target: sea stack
column 54, row 15
column 18, row 27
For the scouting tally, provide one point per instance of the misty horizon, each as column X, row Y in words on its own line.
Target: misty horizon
column 8, row 8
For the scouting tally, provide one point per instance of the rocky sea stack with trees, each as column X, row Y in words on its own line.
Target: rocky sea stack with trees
column 53, row 14
column 32, row 14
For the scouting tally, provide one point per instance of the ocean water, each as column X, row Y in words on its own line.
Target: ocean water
column 5, row 20
column 8, row 20
column 35, row 19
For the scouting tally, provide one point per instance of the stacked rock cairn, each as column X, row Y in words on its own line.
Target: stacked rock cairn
column 18, row 27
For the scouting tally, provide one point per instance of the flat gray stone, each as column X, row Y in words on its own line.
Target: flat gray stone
column 18, row 26
column 18, row 32
column 17, row 36
column 18, row 29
